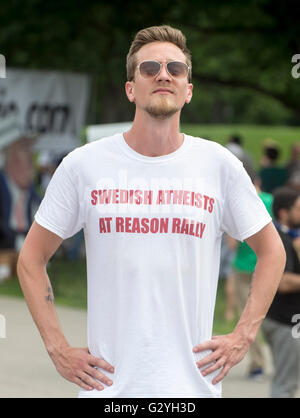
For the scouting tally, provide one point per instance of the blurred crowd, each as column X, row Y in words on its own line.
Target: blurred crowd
column 278, row 186
column 24, row 177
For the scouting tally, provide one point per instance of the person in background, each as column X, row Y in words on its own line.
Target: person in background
column 228, row 248
column 271, row 174
column 293, row 167
column 279, row 324
column 46, row 166
column 239, row 284
column 235, row 145
column 18, row 198
column 47, row 163
column 228, row 245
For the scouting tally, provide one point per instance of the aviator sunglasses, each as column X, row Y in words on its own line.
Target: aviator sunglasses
column 176, row 69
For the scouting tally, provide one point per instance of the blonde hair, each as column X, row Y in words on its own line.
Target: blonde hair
column 156, row 34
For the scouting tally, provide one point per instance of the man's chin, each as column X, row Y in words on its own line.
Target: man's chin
column 161, row 112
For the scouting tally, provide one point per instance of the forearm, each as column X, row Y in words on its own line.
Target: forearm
column 290, row 283
column 38, row 293
column 265, row 281
column 228, row 350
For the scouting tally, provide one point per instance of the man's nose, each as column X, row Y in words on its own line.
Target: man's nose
column 163, row 74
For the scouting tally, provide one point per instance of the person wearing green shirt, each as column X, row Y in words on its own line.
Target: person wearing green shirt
column 243, row 267
column 245, row 259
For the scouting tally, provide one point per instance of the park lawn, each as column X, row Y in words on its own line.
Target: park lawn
column 252, row 135
column 69, row 285
column 68, row 279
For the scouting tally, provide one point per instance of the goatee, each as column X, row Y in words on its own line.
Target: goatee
column 163, row 109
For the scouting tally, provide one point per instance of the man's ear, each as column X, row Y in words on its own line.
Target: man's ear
column 129, row 88
column 189, row 93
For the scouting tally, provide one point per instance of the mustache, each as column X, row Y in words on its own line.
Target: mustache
column 163, row 86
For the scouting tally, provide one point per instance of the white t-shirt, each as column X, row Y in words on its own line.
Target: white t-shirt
column 153, row 228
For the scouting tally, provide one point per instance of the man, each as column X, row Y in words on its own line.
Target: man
column 18, row 199
column 282, row 315
column 293, row 167
column 153, row 204
column 235, row 145
column 272, row 176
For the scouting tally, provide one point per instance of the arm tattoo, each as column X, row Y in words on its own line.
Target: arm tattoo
column 50, row 296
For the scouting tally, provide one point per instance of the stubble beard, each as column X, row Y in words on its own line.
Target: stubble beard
column 162, row 108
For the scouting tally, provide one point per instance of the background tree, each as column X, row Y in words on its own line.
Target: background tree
column 241, row 51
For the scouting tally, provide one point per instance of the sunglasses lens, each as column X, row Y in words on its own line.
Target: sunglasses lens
column 149, row 68
column 177, row 69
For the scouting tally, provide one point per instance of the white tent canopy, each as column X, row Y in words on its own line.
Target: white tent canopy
column 10, row 131
column 94, row 132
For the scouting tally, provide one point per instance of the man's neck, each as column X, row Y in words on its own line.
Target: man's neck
column 154, row 137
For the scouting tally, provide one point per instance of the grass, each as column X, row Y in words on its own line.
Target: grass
column 68, row 279
column 69, row 285
column 252, row 135
column 221, row 325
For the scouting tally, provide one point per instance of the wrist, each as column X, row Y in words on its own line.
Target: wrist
column 55, row 349
column 246, row 331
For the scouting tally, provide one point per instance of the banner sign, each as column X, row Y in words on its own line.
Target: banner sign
column 51, row 104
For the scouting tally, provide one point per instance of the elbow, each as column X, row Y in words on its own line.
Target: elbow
column 282, row 256
column 30, row 260
column 280, row 263
column 24, row 265
column 279, row 260
column 20, row 266
column 277, row 253
column 273, row 256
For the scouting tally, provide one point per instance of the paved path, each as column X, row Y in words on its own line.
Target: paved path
column 26, row 370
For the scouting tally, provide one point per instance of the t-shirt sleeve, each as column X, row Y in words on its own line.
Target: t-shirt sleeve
column 60, row 210
column 244, row 213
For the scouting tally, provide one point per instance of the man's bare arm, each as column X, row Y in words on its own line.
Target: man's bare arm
column 271, row 259
column 75, row 364
column 228, row 350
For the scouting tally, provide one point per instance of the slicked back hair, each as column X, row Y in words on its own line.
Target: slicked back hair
column 162, row 33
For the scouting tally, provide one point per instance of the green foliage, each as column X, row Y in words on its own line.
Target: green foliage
column 241, row 51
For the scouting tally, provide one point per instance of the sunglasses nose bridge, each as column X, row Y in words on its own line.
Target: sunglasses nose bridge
column 163, row 71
